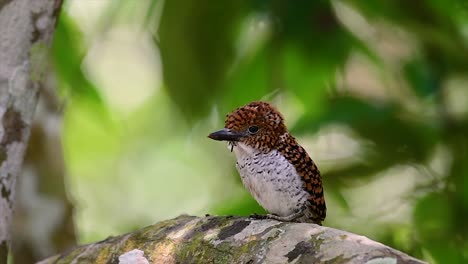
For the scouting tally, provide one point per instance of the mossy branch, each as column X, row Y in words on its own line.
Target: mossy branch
column 189, row 239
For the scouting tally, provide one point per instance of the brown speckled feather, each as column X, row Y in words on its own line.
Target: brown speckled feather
column 272, row 136
column 309, row 173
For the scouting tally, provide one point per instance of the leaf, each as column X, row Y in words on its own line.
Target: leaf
column 68, row 52
column 422, row 78
column 306, row 79
column 393, row 134
column 196, row 40
column 337, row 194
column 250, row 80
column 433, row 216
column 314, row 46
column 434, row 223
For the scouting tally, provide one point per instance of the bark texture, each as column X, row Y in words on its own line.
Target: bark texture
column 26, row 28
column 43, row 218
column 189, row 239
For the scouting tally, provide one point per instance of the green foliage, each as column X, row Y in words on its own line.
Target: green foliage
column 196, row 39
column 69, row 52
column 211, row 59
column 305, row 50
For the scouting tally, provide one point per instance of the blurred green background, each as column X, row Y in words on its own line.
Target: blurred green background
column 376, row 91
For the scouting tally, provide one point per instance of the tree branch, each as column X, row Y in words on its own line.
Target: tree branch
column 189, row 239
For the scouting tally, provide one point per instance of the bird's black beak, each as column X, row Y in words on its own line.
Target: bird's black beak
column 226, row 135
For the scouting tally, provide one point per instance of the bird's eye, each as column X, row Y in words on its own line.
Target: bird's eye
column 253, row 129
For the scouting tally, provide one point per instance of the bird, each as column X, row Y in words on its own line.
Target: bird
column 273, row 167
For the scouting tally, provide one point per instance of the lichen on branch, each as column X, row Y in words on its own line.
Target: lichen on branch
column 189, row 239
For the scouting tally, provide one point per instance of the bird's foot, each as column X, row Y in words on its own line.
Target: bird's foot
column 288, row 218
column 257, row 216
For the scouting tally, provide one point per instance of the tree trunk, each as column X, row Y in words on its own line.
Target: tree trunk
column 43, row 217
column 189, row 239
column 26, row 28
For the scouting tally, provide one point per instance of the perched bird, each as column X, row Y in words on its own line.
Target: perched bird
column 275, row 169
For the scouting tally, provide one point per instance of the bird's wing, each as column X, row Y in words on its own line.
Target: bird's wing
column 309, row 173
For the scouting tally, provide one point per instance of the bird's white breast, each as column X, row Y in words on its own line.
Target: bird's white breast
column 271, row 179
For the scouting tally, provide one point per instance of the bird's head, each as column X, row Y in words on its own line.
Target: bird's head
column 258, row 125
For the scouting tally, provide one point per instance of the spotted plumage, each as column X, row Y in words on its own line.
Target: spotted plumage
column 275, row 169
